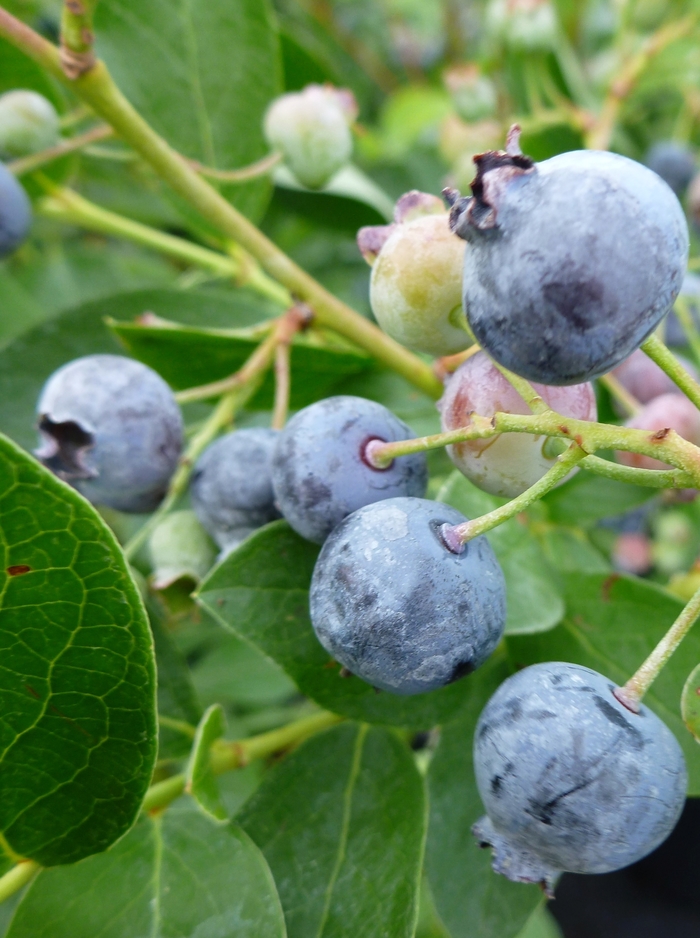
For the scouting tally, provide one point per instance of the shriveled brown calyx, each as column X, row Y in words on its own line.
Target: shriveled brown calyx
column 494, row 171
column 64, row 448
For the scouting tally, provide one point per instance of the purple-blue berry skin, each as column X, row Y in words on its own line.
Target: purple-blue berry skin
column 573, row 261
column 674, row 162
column 570, row 778
column 15, row 213
column 111, row 427
column 319, row 471
column 231, row 486
column 396, row 607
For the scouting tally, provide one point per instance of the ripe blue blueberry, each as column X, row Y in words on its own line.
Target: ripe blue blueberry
column 319, row 470
column 111, row 427
column 395, row 606
column 15, row 213
column 572, row 780
column 231, row 487
column 674, row 162
column 573, row 261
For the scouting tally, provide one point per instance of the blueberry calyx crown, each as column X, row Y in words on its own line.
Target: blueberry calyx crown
column 64, row 448
column 494, row 170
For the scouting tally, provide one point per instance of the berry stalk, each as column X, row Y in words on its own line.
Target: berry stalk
column 456, row 536
column 634, row 690
column 99, row 90
column 666, row 360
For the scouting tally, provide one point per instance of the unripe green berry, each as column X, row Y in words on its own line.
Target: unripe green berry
column 28, row 124
column 417, row 277
column 311, row 128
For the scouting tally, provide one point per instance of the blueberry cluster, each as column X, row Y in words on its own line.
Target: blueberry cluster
column 560, row 270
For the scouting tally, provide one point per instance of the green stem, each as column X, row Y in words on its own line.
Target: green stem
column 77, row 37
column 685, row 317
column 667, row 361
column 669, row 447
column 17, row 877
column 226, row 756
column 456, row 536
column 97, row 89
column 29, row 163
column 67, row 206
column 640, row 682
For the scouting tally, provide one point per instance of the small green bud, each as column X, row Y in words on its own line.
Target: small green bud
column 180, row 549
column 28, row 124
column 311, row 128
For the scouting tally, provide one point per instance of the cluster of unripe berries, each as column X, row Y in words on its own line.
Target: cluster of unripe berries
column 560, row 270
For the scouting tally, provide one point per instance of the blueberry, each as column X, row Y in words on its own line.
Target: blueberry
column 416, row 284
column 311, row 128
column 15, row 213
column 571, row 780
column 508, row 464
column 231, row 486
column 473, row 95
column 674, row 162
column 319, row 470
column 573, row 261
column 111, row 427
column 28, row 123
column 396, row 607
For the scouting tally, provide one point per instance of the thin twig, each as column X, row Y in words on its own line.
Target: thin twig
column 29, row 163
column 282, row 385
column 262, row 167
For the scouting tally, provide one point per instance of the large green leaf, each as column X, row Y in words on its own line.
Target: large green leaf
column 77, row 681
column 341, row 822
column 27, row 362
column 690, row 703
column 186, row 357
column 175, row 875
column 534, row 601
column 472, row 900
column 202, row 73
column 611, row 625
column 201, row 781
column 261, row 592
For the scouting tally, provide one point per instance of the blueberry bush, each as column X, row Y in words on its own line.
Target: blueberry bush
column 307, row 592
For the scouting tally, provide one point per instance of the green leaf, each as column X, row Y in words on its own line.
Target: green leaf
column 612, row 623
column 261, row 593
column 77, row 681
column 202, row 74
column 178, row 874
column 27, row 362
column 349, row 183
column 569, row 551
column 19, row 310
column 533, row 594
column 587, row 498
column 187, row 357
column 201, row 782
column 341, row 821
column 472, row 900
column 690, row 702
